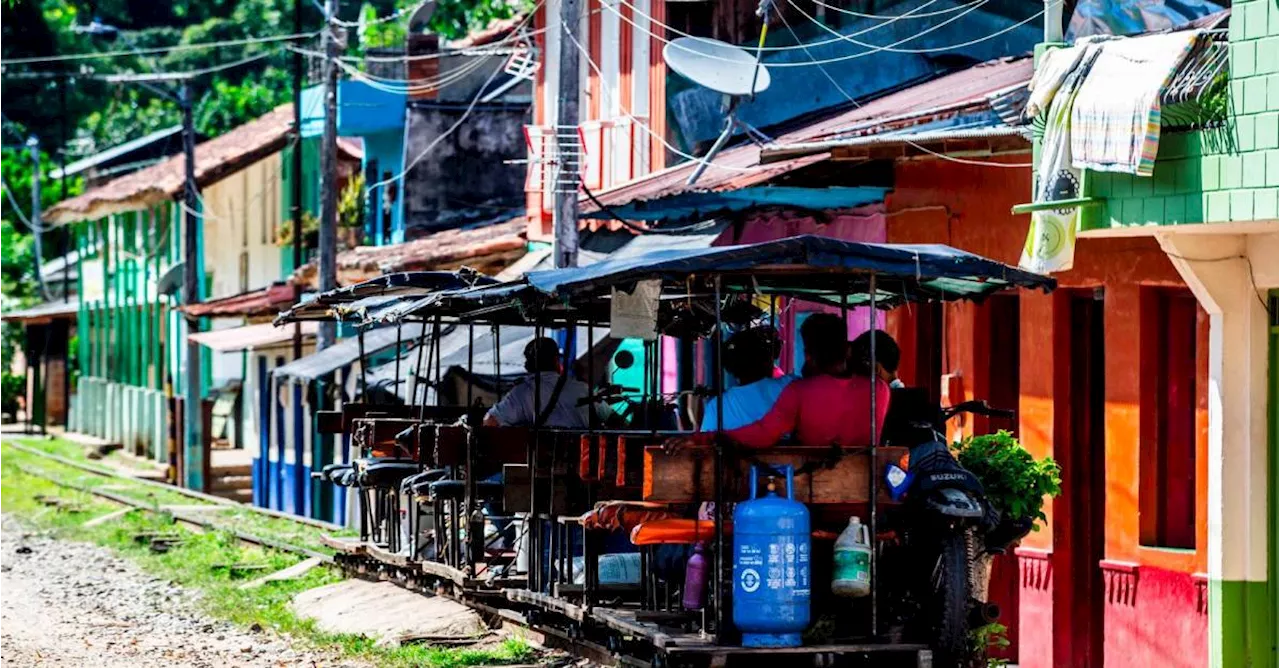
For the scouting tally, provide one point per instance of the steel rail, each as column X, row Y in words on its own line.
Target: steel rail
column 179, row 516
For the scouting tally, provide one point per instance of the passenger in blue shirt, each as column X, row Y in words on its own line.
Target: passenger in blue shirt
column 750, row 356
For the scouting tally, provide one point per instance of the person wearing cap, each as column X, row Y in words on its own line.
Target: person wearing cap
column 545, row 385
column 749, row 356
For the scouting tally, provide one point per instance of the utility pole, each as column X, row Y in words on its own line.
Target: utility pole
column 329, row 171
column 565, row 216
column 194, row 459
column 295, row 210
column 328, row 249
column 1052, row 21
column 33, row 146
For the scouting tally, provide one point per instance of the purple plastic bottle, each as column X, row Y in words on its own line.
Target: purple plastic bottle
column 695, row 580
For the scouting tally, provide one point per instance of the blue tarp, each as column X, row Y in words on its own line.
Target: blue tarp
column 806, row 264
column 808, row 267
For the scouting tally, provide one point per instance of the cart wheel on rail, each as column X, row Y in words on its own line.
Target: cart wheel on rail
column 950, row 604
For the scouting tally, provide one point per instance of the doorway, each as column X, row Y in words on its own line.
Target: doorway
column 1001, row 386
column 1080, row 523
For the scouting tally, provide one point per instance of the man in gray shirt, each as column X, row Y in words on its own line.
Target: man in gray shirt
column 542, row 361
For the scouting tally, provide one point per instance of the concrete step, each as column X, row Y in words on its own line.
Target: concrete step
column 232, row 470
column 243, row 495
column 220, row 483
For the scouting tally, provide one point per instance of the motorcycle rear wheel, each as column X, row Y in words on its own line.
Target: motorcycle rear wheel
column 951, row 595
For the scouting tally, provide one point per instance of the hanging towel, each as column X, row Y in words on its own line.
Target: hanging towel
column 1051, row 241
column 1052, row 70
column 1115, row 121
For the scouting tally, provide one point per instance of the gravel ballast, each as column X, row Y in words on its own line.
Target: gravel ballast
column 74, row 604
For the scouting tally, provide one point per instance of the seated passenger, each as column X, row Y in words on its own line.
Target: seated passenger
column 888, row 356
column 831, row 407
column 516, row 408
column 749, row 356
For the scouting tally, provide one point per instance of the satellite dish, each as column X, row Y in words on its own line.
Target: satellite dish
column 421, row 16
column 724, row 68
column 713, row 64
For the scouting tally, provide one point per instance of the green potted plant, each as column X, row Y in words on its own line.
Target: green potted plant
column 1015, row 483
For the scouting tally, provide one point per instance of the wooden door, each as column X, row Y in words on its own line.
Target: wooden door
column 1079, row 528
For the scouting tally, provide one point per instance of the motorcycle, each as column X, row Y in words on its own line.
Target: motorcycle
column 939, row 532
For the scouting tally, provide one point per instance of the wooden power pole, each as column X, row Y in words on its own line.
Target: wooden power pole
column 565, row 216
column 329, row 171
column 195, row 461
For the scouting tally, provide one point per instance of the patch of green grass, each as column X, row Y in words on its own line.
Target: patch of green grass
column 199, row 563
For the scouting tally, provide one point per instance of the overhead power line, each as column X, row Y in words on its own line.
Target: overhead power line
column 856, row 104
column 158, row 49
column 142, row 77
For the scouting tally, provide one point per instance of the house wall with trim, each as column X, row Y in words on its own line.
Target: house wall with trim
column 1016, row 351
column 1210, row 209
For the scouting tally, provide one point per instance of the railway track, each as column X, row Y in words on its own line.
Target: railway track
column 595, row 635
column 184, row 515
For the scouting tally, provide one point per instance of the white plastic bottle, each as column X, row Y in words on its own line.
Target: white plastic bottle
column 851, row 575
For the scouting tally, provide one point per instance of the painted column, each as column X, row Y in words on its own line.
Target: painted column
column 1226, row 272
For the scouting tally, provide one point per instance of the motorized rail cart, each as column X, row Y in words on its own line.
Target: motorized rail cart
column 588, row 534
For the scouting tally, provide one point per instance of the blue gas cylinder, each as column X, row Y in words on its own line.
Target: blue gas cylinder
column 771, row 567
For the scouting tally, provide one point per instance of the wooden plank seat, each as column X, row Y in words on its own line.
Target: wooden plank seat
column 687, row 476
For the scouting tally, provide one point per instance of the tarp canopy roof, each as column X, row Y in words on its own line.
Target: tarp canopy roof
column 347, row 351
column 249, row 337
column 813, row 268
column 351, row 302
column 506, row 362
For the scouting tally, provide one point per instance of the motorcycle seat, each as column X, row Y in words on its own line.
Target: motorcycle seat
column 387, row 474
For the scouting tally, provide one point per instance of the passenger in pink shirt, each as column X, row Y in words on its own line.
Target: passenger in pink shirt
column 831, row 406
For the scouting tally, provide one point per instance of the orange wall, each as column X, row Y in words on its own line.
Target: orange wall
column 968, row 206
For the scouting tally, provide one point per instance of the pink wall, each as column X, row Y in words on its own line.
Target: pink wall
column 861, row 224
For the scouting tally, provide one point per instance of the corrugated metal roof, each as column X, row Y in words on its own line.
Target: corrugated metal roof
column 735, row 167
column 906, row 136
column 249, row 337
column 347, row 350
column 170, row 133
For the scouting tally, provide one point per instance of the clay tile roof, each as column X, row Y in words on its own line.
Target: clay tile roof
column 486, row 249
column 265, row 301
column 215, row 159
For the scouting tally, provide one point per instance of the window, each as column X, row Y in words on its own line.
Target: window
column 1168, row 413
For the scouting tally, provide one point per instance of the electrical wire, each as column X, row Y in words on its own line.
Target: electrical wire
column 133, row 77
column 442, row 136
column 640, row 229
column 793, row 47
column 183, row 76
column 856, row 104
column 837, row 59
column 158, row 49
column 22, row 216
column 431, row 84
column 461, row 119
column 861, row 15
column 644, row 126
column 360, row 23
column 847, row 38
